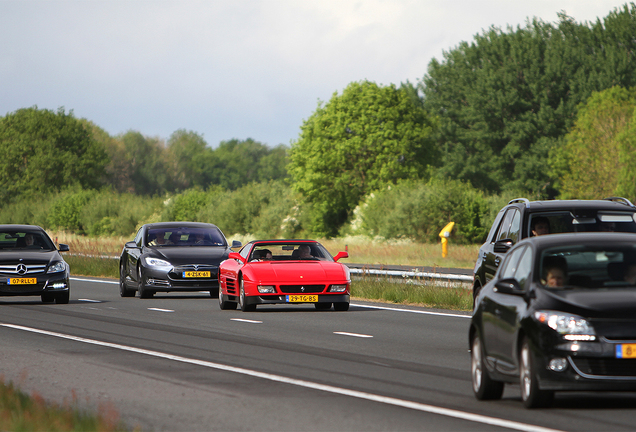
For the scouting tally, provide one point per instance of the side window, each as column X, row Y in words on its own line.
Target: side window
column 505, row 225
column 515, row 227
column 245, row 251
column 137, row 239
column 493, row 229
column 509, row 268
column 524, row 268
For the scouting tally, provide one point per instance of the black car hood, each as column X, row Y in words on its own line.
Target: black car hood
column 592, row 302
column 28, row 256
column 178, row 255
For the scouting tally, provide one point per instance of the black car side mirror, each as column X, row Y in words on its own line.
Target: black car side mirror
column 509, row 286
column 63, row 247
column 236, row 244
column 131, row 244
column 502, row 246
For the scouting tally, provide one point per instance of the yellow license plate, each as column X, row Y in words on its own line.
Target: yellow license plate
column 23, row 281
column 196, row 274
column 302, row 298
column 626, row 351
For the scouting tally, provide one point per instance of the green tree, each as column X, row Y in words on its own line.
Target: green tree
column 597, row 159
column 144, row 159
column 360, row 141
column 507, row 98
column 45, row 151
column 238, row 163
column 190, row 159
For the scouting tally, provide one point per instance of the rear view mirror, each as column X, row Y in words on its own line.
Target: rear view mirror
column 502, row 246
column 508, row 286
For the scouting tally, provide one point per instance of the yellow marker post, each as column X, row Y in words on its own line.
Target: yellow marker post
column 445, row 234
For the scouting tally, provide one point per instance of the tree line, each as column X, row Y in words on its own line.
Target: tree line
column 543, row 111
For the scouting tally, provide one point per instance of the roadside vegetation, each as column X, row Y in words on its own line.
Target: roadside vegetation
column 21, row 412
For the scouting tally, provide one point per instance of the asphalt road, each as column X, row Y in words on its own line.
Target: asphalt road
column 179, row 363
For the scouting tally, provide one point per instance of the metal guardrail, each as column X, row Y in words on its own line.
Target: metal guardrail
column 364, row 270
column 413, row 274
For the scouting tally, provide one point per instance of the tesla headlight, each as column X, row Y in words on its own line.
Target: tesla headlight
column 573, row 327
column 57, row 267
column 156, row 262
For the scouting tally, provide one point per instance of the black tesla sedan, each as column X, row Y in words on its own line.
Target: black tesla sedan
column 31, row 265
column 559, row 315
column 173, row 256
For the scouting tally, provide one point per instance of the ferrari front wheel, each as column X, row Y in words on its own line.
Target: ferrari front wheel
column 341, row 306
column 243, row 301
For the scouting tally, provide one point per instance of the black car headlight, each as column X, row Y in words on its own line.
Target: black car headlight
column 56, row 267
column 571, row 327
column 156, row 262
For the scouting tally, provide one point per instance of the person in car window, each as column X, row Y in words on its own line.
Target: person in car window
column 540, row 226
column 555, row 272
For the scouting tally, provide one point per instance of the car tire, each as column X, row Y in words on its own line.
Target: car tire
column 243, row 301
column 323, row 306
column 224, row 304
column 123, row 291
column 63, row 298
column 341, row 306
column 144, row 293
column 531, row 395
column 484, row 387
column 47, row 298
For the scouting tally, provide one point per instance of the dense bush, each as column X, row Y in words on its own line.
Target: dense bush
column 419, row 211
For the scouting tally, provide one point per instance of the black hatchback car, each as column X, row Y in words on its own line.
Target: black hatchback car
column 173, row 256
column 31, row 264
column 522, row 218
column 560, row 315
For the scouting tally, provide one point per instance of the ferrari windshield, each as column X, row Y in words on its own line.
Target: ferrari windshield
column 185, row 236
column 292, row 251
column 12, row 240
column 589, row 266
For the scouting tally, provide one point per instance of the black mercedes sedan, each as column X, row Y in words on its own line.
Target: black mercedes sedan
column 173, row 256
column 559, row 315
column 31, row 264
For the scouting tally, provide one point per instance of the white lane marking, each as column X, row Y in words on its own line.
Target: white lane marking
column 246, row 320
column 353, row 334
column 412, row 311
column 90, row 300
column 94, row 280
column 160, row 310
column 477, row 418
column 352, row 304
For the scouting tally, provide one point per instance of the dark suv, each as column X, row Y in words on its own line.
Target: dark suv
column 522, row 218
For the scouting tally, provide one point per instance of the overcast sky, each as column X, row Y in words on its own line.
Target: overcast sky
column 232, row 69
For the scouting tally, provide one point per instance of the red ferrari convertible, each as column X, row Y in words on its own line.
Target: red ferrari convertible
column 284, row 271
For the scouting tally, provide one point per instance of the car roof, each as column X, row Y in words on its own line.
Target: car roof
column 273, row 241
column 20, row 227
column 180, row 225
column 565, row 239
column 552, row 205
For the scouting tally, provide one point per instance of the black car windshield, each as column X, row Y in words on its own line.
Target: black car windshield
column 18, row 240
column 587, row 266
column 292, row 251
column 185, row 236
column 590, row 221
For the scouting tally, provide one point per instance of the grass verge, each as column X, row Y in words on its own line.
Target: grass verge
column 21, row 412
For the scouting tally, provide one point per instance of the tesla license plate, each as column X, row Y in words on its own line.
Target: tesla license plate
column 300, row 298
column 196, row 274
column 22, row 281
column 626, row 351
